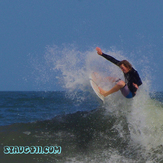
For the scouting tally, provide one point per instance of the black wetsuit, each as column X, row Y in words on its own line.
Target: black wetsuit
column 131, row 77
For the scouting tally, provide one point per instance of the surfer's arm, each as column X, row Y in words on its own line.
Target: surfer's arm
column 137, row 79
column 110, row 58
column 106, row 56
column 136, row 86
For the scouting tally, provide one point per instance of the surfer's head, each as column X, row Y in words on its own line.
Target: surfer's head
column 125, row 66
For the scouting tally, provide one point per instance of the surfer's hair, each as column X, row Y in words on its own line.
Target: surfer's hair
column 126, row 63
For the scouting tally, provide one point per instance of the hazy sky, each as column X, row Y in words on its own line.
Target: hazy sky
column 27, row 27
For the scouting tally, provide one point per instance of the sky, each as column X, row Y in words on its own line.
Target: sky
column 28, row 27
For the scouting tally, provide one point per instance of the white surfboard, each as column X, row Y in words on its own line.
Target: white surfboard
column 95, row 86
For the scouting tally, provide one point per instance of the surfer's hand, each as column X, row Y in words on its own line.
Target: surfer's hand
column 99, row 51
column 135, row 85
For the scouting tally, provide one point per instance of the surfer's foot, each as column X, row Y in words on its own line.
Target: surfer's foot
column 102, row 92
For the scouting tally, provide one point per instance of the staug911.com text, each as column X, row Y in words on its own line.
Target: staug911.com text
column 32, row 150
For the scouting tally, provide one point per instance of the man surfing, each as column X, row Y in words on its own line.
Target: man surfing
column 132, row 79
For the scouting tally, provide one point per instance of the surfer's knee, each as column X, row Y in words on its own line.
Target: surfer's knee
column 121, row 83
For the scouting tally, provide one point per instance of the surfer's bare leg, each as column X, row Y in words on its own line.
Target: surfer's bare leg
column 116, row 88
column 104, row 79
column 111, row 79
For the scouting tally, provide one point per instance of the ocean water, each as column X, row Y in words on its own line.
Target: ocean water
column 75, row 120
column 87, row 131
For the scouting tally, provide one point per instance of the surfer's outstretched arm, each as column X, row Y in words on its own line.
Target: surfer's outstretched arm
column 106, row 56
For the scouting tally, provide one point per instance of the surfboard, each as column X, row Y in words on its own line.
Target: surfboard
column 94, row 86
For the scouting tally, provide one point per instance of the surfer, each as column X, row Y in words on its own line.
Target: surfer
column 132, row 79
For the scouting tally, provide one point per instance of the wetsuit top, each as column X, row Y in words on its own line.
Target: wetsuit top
column 131, row 77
